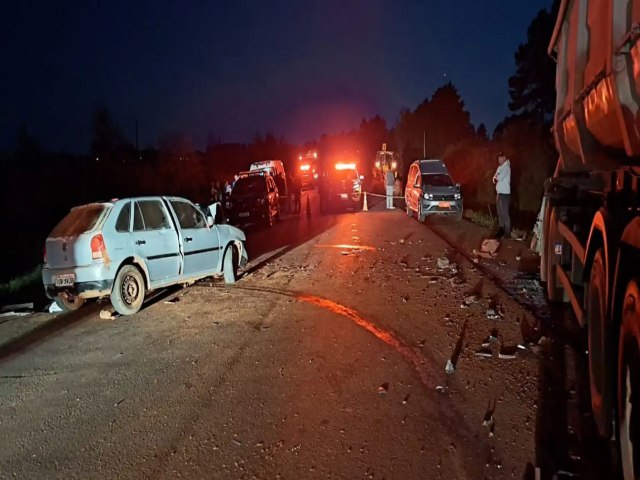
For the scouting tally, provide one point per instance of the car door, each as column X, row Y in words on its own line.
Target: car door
column 200, row 243
column 409, row 195
column 155, row 240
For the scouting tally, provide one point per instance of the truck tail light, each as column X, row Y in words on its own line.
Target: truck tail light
column 97, row 246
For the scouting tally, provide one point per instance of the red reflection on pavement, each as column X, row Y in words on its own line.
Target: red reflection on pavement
column 345, row 246
column 416, row 360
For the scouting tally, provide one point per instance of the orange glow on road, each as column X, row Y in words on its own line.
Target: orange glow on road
column 345, row 246
column 413, row 357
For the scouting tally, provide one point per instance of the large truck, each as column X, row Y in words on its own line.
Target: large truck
column 591, row 231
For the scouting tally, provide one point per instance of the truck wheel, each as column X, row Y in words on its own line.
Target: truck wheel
column 68, row 303
column 629, row 383
column 600, row 353
column 128, row 291
column 555, row 293
column 230, row 265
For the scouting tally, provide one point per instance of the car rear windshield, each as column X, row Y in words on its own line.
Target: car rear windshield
column 79, row 220
column 248, row 185
column 437, row 180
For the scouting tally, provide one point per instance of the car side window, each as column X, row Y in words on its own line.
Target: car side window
column 154, row 215
column 122, row 224
column 188, row 215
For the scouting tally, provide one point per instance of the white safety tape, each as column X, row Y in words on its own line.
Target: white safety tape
column 380, row 195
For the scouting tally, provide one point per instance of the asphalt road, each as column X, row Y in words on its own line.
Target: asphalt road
column 326, row 360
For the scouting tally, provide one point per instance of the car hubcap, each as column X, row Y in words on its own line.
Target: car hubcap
column 130, row 290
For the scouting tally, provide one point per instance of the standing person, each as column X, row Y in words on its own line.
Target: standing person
column 502, row 179
column 390, row 179
column 296, row 187
column 214, row 193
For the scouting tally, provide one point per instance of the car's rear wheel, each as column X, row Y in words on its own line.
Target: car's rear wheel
column 230, row 264
column 128, row 290
column 68, row 303
column 629, row 383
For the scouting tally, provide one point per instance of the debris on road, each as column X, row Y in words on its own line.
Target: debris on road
column 384, row 388
column 450, row 368
column 443, row 262
column 488, row 420
column 173, row 301
column 440, row 389
column 54, row 308
column 107, row 315
column 491, row 338
column 17, row 310
column 484, row 351
column 492, row 314
column 508, row 352
column 488, row 248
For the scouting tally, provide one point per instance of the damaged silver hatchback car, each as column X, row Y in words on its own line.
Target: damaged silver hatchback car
column 125, row 248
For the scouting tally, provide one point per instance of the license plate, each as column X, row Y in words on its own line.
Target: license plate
column 243, row 214
column 444, row 204
column 65, row 280
column 344, row 196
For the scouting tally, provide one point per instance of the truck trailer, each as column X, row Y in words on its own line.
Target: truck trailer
column 591, row 231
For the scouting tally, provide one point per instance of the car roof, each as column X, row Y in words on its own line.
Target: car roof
column 432, row 166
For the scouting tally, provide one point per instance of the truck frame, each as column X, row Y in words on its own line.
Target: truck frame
column 591, row 231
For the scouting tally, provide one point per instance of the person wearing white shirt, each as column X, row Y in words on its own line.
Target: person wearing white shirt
column 502, row 179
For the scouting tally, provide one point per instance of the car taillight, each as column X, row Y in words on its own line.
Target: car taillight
column 97, row 246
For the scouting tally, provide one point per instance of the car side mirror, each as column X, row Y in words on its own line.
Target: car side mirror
column 215, row 214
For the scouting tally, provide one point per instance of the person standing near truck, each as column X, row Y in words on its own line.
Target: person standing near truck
column 390, row 179
column 502, row 179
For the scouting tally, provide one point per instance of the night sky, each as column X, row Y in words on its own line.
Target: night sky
column 231, row 69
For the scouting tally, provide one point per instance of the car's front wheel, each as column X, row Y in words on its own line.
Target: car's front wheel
column 128, row 290
column 230, row 265
column 68, row 303
column 421, row 214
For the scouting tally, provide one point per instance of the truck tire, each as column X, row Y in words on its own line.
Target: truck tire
column 600, row 343
column 230, row 264
column 67, row 304
column 629, row 382
column 555, row 293
column 127, row 294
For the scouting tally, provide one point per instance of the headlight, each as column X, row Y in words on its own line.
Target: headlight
column 260, row 201
column 428, row 196
column 457, row 196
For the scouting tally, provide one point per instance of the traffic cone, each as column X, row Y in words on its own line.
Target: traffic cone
column 308, row 207
column 365, row 207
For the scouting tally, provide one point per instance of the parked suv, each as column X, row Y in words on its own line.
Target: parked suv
column 430, row 190
column 125, row 248
column 254, row 199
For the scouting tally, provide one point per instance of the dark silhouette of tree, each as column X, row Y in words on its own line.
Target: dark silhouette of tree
column 532, row 87
column 481, row 131
column 108, row 144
